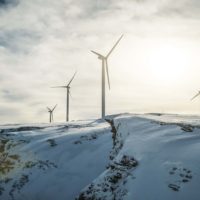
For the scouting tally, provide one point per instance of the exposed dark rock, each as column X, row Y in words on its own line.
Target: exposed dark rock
column 110, row 184
column 24, row 128
column 77, row 142
column 18, row 185
column 1, row 190
column 174, row 187
column 184, row 176
column 113, row 130
column 52, row 142
column 83, row 138
column 40, row 164
column 186, row 128
column 128, row 161
column 188, row 176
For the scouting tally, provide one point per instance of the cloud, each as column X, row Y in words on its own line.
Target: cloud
column 7, row 3
column 42, row 43
column 14, row 96
column 184, row 9
column 8, row 112
column 18, row 41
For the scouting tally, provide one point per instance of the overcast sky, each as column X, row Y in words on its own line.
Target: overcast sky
column 155, row 67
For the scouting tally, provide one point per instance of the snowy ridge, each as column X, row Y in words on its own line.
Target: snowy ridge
column 109, row 185
column 55, row 162
column 166, row 155
column 124, row 158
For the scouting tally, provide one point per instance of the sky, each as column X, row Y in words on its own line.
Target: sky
column 155, row 67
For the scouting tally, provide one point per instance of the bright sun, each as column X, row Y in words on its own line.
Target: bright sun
column 167, row 63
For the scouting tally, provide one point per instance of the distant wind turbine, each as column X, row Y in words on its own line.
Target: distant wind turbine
column 68, row 93
column 104, row 60
column 51, row 113
column 195, row 96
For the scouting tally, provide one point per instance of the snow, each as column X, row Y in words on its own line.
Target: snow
column 159, row 149
column 76, row 164
column 155, row 156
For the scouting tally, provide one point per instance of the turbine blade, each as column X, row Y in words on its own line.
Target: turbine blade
column 114, row 46
column 98, row 54
column 54, row 107
column 107, row 74
column 72, row 79
column 195, row 96
column 59, row 87
column 48, row 109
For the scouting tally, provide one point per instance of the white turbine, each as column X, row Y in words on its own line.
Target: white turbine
column 195, row 96
column 51, row 113
column 67, row 97
column 104, row 60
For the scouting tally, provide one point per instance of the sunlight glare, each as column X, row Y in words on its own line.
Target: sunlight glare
column 167, row 63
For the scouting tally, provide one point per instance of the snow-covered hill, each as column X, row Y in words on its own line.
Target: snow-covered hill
column 126, row 157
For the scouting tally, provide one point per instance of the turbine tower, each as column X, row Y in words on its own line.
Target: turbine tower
column 51, row 113
column 195, row 96
column 67, row 87
column 104, row 60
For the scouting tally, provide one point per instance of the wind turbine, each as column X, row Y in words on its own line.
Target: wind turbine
column 67, row 97
column 104, row 60
column 195, row 96
column 51, row 113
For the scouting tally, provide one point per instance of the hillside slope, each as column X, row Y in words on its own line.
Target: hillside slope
column 52, row 162
column 125, row 157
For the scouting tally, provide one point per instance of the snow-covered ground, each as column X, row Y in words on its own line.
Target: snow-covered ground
column 127, row 157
